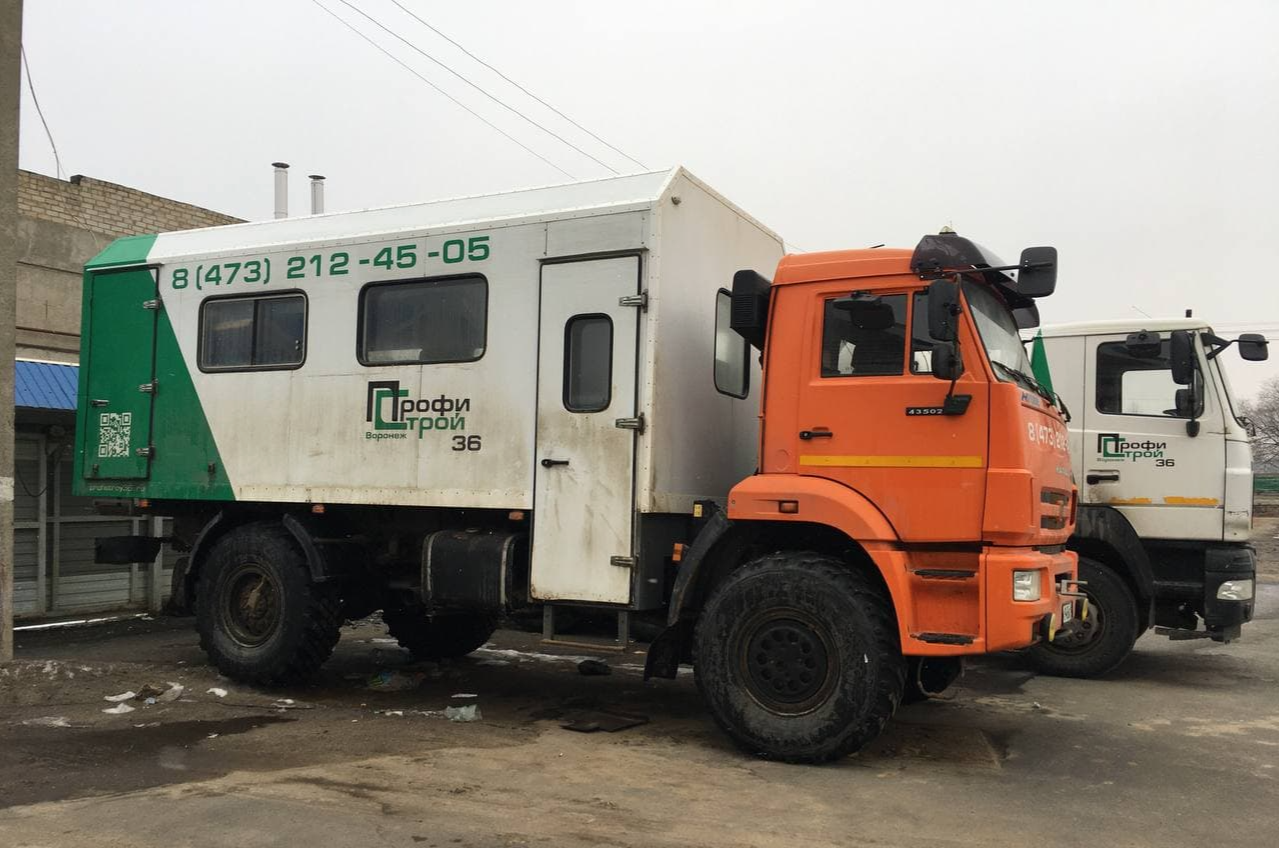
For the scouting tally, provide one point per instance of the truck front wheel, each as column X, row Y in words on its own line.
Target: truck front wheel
column 1104, row 639
column 798, row 658
column 438, row 637
column 261, row 618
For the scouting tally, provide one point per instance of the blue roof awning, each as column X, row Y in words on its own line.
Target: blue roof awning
column 45, row 385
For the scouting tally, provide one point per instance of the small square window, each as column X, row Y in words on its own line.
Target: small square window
column 245, row 333
column 422, row 322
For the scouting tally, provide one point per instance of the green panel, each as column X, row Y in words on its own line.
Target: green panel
column 187, row 465
column 121, row 333
column 130, row 250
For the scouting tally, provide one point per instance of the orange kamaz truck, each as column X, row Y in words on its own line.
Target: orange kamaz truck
column 911, row 506
column 549, row 398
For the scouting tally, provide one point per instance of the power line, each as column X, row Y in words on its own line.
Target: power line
column 433, row 29
column 406, row 67
column 463, row 78
column 57, row 160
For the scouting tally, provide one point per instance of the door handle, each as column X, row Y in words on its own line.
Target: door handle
column 96, row 402
column 551, row 463
column 807, row 435
column 1095, row 477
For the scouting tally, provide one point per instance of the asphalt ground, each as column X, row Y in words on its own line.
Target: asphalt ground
column 1179, row 746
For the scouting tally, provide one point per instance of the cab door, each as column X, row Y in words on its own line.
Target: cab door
column 1137, row 453
column 584, row 482
column 869, row 416
column 119, row 358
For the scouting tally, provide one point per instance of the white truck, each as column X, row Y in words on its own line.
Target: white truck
column 1164, row 468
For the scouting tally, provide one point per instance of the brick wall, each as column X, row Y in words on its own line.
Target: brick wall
column 106, row 208
column 62, row 225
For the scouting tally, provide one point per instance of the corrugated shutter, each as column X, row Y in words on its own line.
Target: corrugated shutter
column 80, row 584
column 27, row 490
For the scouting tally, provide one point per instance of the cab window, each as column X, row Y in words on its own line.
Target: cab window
column 868, row 340
column 1132, row 385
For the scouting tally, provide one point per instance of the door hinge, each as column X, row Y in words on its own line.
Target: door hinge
column 148, row 451
column 622, row 561
column 149, row 388
column 636, row 423
column 640, row 300
column 154, row 303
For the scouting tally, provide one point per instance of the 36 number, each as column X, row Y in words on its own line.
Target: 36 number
column 466, row 443
column 1165, row 463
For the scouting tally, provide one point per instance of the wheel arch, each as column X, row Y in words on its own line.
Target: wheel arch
column 322, row 562
column 725, row 544
column 1104, row 534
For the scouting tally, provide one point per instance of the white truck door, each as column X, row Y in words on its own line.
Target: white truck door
column 583, row 494
column 1137, row 455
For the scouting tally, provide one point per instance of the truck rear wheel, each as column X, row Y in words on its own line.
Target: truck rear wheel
column 1104, row 639
column 798, row 658
column 260, row 617
column 439, row 637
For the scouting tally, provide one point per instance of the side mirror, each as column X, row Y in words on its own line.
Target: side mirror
column 1037, row 272
column 1182, row 357
column 1027, row 317
column 943, row 312
column 1253, row 347
column 1143, row 345
column 1184, row 403
column 948, row 364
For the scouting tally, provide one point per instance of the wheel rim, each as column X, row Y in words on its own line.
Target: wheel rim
column 251, row 605
column 787, row 661
column 1087, row 635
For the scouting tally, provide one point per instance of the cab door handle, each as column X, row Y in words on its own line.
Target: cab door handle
column 551, row 463
column 808, row 435
column 1095, row 477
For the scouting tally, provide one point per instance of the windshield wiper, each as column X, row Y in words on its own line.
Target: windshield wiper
column 1026, row 380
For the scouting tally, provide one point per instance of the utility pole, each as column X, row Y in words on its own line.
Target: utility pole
column 10, row 80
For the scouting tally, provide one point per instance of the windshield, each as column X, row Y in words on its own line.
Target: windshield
column 998, row 332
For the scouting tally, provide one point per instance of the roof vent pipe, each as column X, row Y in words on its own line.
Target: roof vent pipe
column 281, row 189
column 317, row 194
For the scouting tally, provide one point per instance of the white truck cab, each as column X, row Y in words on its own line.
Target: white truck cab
column 1164, row 468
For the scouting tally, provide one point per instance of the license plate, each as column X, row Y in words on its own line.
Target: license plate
column 1067, row 613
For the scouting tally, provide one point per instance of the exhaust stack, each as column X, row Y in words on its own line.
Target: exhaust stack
column 281, row 189
column 317, row 194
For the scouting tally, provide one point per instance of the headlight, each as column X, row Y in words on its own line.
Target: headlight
column 1235, row 590
column 1026, row 585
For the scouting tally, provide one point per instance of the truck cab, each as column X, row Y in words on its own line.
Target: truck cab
column 912, row 501
column 1166, row 496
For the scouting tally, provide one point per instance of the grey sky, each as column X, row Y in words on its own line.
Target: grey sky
column 1137, row 137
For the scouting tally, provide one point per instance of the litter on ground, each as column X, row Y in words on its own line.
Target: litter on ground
column 471, row 712
column 123, row 696
column 118, row 709
column 221, row 693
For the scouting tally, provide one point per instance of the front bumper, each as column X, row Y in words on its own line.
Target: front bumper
column 1235, row 564
column 1014, row 624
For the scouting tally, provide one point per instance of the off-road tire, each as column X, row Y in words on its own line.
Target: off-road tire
column 439, row 637
column 837, row 614
column 1115, row 621
column 303, row 626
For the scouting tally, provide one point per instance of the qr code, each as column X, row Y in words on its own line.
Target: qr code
column 114, row 431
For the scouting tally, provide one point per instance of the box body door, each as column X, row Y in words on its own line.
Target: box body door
column 119, row 355
column 584, row 485
column 1137, row 455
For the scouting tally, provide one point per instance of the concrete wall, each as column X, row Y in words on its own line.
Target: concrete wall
column 61, row 225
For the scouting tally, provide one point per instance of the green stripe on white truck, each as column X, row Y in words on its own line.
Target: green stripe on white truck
column 143, row 428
